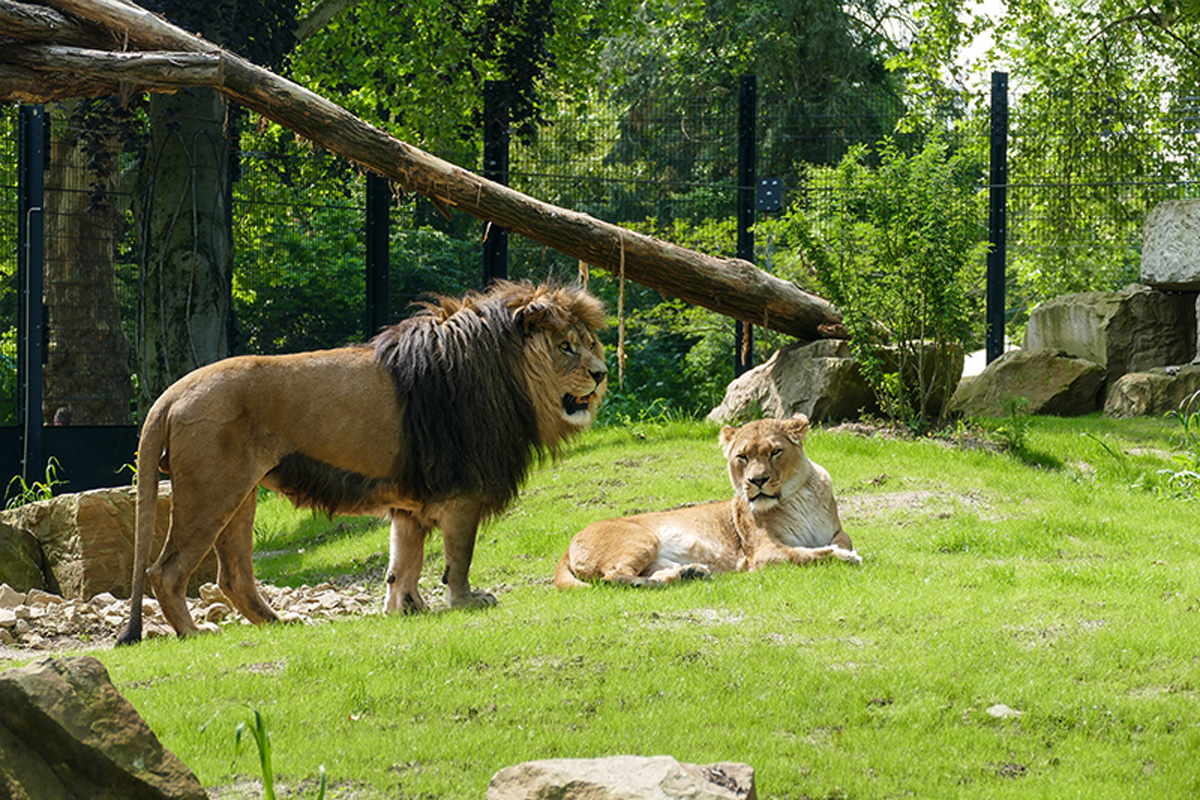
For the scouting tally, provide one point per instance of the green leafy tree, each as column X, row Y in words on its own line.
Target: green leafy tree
column 897, row 247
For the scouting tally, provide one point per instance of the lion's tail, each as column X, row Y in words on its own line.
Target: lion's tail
column 150, row 450
column 564, row 577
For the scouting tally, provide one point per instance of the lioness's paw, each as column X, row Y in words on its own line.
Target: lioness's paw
column 694, row 571
column 849, row 556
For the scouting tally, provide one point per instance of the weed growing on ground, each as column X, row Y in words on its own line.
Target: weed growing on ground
column 38, row 490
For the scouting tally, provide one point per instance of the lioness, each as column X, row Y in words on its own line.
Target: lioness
column 783, row 509
column 434, row 423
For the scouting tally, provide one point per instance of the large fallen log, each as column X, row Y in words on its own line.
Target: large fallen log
column 155, row 55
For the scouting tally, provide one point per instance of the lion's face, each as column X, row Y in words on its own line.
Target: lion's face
column 766, row 460
column 564, row 361
column 579, row 362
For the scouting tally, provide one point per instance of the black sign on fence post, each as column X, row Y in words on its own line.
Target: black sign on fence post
column 495, row 168
column 997, row 217
column 31, row 313
column 743, row 356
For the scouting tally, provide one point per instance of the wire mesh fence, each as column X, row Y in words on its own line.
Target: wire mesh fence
column 1084, row 171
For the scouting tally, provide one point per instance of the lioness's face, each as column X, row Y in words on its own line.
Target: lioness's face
column 766, row 459
column 579, row 365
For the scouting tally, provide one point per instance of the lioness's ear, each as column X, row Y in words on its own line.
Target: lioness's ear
column 727, row 434
column 797, row 428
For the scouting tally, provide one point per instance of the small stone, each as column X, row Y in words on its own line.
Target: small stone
column 10, row 597
column 103, row 600
column 8, row 618
column 211, row 593
column 217, row 612
column 37, row 597
column 1001, row 711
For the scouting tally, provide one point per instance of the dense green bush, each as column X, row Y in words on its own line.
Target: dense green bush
column 895, row 242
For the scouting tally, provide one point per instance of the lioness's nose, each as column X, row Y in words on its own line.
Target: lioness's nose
column 758, row 481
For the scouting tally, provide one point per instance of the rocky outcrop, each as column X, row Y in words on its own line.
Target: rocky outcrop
column 66, row 733
column 1154, row 392
column 1171, row 246
column 623, row 778
column 1126, row 331
column 1045, row 381
column 86, row 540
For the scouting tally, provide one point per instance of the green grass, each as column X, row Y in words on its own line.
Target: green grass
column 1058, row 581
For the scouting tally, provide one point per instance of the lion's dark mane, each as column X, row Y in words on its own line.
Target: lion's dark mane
column 468, row 422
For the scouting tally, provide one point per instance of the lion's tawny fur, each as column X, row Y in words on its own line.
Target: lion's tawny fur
column 435, row 423
column 783, row 509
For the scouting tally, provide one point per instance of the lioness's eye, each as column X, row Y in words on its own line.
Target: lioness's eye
column 742, row 459
column 776, row 453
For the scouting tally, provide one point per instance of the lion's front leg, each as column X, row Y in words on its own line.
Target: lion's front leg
column 404, row 565
column 460, row 523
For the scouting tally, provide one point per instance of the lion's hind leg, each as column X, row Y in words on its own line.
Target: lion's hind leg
column 235, row 564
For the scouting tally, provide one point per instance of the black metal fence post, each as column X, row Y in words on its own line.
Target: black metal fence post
column 743, row 357
column 31, row 311
column 495, row 168
column 997, row 217
column 379, row 216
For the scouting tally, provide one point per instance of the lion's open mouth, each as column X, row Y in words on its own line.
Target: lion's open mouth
column 574, row 405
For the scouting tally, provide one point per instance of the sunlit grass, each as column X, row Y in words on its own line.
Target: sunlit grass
column 1070, row 593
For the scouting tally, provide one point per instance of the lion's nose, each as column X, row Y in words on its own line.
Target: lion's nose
column 598, row 375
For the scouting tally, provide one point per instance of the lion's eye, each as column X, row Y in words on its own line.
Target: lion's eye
column 566, row 348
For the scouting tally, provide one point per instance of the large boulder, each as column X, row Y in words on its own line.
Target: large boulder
column 1154, row 392
column 1171, row 246
column 818, row 379
column 66, row 733
column 1047, row 381
column 822, row 381
column 622, row 778
column 1127, row 331
column 87, row 540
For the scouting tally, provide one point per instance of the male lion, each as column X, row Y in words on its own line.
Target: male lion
column 434, row 423
column 782, row 510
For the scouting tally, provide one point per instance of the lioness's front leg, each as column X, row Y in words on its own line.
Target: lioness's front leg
column 404, row 565
column 459, row 523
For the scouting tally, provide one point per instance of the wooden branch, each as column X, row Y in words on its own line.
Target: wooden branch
column 146, row 69
column 319, row 17
column 732, row 287
column 34, row 23
column 18, row 84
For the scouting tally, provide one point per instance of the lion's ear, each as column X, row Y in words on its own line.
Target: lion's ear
column 797, row 428
column 540, row 314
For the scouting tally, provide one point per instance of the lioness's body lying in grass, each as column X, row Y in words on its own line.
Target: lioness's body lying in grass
column 783, row 510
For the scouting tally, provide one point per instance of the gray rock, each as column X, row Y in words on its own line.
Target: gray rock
column 1171, row 245
column 1152, row 393
column 1126, row 331
column 1049, row 382
column 818, row 379
column 623, row 778
column 87, row 540
column 66, row 733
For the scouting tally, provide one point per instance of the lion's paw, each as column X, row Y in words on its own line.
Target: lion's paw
column 694, row 571
column 473, row 599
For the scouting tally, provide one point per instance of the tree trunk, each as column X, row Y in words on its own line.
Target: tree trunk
column 87, row 375
column 187, row 245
